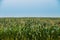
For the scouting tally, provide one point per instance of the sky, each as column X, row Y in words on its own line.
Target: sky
column 30, row 8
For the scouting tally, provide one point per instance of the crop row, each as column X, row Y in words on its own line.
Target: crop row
column 30, row 33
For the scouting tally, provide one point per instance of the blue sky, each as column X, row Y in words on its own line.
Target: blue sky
column 30, row 8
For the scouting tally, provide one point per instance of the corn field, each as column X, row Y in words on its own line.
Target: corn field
column 29, row 28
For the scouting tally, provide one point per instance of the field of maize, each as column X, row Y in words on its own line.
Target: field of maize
column 29, row 28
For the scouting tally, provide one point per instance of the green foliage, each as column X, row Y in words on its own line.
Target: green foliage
column 28, row 29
